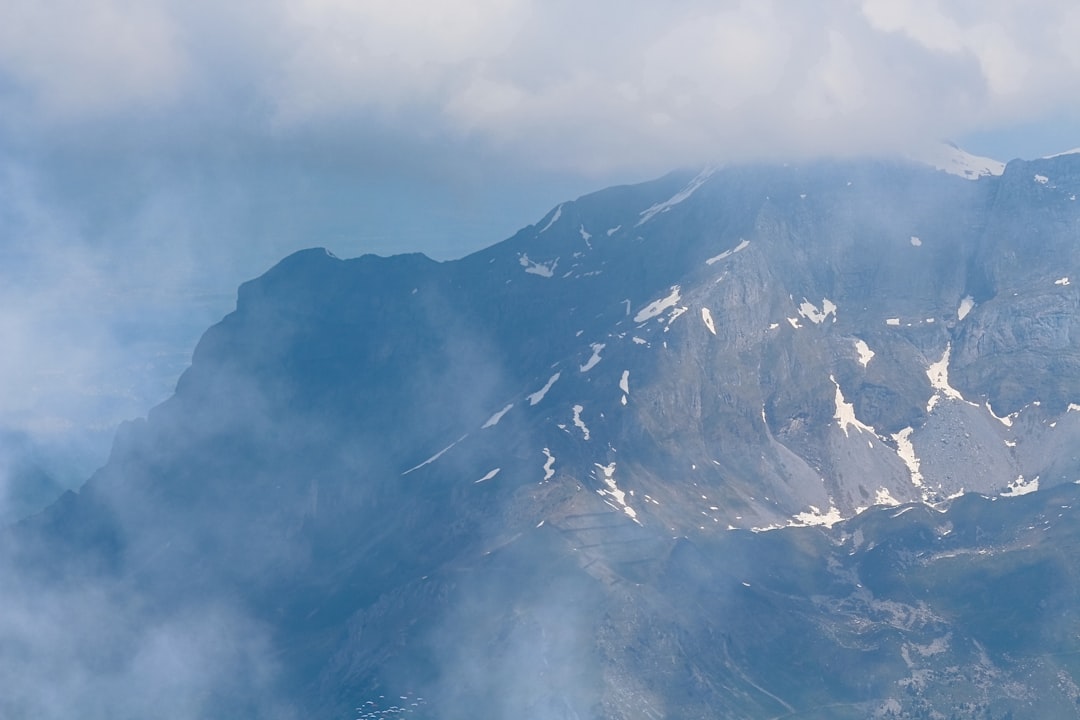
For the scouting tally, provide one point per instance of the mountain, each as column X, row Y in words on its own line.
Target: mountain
column 26, row 483
column 755, row 441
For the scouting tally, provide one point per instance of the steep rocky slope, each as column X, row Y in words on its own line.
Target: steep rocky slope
column 558, row 478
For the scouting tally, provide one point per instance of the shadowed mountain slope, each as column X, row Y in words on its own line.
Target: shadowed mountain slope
column 617, row 466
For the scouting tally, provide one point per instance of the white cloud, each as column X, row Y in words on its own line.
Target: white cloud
column 607, row 86
column 74, row 58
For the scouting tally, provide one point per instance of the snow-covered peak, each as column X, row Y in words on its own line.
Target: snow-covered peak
column 1074, row 151
column 951, row 159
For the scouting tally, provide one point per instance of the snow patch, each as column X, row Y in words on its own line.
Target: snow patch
column 487, row 477
column 845, row 413
column 865, row 353
column 1007, row 421
column 794, row 322
column 1062, row 281
column 535, row 268
column 1074, row 151
column 639, row 341
column 915, row 241
column 549, row 465
column 494, row 419
column 585, row 234
column 675, row 313
column 658, row 306
column 743, row 244
column 591, row 363
column 539, row 394
column 624, row 382
column 436, row 456
column 612, row 231
column 815, row 517
column 892, row 321
column 906, row 452
column 1042, row 179
column 809, row 311
column 579, row 423
column 613, row 490
column 951, row 159
column 1073, row 407
column 966, row 305
column 884, row 497
column 554, row 218
column 706, row 317
column 691, row 187
column 938, row 373
column 1021, row 487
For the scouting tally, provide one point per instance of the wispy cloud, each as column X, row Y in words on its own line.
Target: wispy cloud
column 605, row 86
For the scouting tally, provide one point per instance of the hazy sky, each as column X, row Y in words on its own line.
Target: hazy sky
column 153, row 154
column 446, row 109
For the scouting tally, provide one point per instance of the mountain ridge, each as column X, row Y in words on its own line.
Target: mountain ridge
column 539, row 480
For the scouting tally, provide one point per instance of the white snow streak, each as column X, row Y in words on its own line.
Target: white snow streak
column 845, row 413
column 743, row 244
column 1074, row 151
column 436, row 456
column 591, row 363
column 906, row 451
column 649, row 213
column 1062, row 281
column 549, row 465
column 938, row 373
column 624, row 382
column 674, row 314
column 487, row 477
column 658, row 306
column 613, row 490
column 539, row 394
column 494, row 419
column 706, row 316
column 1007, row 421
column 554, row 218
column 579, row 423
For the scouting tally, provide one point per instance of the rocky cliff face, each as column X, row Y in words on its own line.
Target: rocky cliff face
column 558, row 478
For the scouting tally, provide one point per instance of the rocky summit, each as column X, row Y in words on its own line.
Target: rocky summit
column 788, row 441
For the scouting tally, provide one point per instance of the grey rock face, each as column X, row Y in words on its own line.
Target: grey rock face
column 536, row 482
